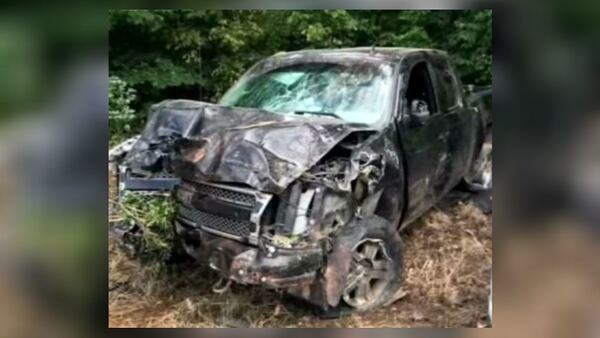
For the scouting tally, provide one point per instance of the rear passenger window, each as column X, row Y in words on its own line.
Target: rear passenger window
column 449, row 94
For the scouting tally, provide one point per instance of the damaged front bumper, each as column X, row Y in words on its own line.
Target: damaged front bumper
column 255, row 238
column 264, row 264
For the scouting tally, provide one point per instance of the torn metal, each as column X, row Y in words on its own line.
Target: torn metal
column 207, row 142
column 262, row 195
column 285, row 200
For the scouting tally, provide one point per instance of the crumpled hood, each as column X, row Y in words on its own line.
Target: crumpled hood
column 207, row 142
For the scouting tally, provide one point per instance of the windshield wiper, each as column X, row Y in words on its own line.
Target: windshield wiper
column 323, row 113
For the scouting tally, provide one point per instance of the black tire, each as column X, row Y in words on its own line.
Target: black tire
column 369, row 233
column 479, row 177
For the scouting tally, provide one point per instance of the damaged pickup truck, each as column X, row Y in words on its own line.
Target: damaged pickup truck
column 303, row 175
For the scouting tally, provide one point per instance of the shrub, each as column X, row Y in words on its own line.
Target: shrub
column 120, row 114
column 152, row 218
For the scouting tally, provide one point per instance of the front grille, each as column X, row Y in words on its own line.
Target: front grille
column 233, row 196
column 223, row 224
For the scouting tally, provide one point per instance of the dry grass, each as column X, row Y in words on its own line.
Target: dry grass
column 447, row 265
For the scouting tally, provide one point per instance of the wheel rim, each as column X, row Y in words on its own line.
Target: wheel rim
column 369, row 274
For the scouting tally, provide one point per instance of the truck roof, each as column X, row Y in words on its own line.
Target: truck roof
column 383, row 53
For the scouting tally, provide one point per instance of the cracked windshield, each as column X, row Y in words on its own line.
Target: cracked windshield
column 358, row 93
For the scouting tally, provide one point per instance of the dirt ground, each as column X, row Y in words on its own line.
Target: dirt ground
column 448, row 260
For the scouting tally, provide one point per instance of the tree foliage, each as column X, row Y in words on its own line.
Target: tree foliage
column 200, row 53
column 120, row 114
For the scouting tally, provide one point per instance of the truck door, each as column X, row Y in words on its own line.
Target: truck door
column 421, row 135
column 456, row 121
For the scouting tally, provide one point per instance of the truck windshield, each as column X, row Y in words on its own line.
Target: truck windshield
column 358, row 93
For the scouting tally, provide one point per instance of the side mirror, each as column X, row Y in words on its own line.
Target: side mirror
column 419, row 112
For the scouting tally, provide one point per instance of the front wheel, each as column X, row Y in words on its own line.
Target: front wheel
column 373, row 272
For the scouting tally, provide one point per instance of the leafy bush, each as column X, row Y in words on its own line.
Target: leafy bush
column 152, row 217
column 120, row 114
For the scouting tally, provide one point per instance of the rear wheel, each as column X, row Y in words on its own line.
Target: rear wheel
column 480, row 175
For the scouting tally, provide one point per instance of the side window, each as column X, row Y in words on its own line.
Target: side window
column 419, row 94
column 449, row 92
